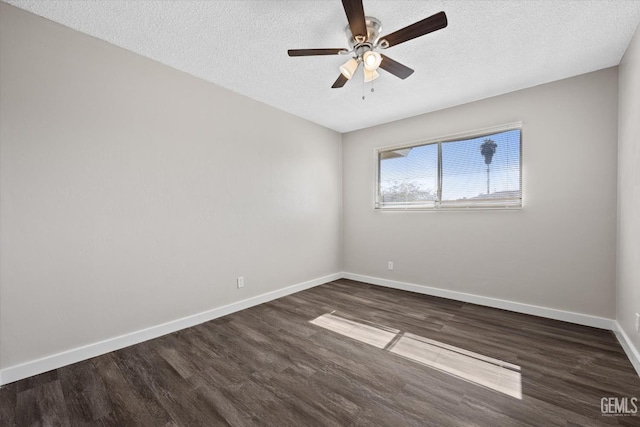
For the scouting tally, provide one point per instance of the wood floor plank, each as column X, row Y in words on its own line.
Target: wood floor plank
column 212, row 391
column 8, row 401
column 84, row 393
column 131, row 401
column 51, row 404
column 177, row 397
column 344, row 354
column 27, row 410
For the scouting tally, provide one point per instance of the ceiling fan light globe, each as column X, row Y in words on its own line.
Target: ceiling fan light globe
column 348, row 69
column 371, row 60
column 370, row 75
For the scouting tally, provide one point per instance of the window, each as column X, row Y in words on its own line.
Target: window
column 471, row 170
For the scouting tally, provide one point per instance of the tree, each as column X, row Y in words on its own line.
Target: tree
column 405, row 191
column 488, row 149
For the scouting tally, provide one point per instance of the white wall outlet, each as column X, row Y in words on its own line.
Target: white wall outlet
column 637, row 322
column 240, row 282
column 390, row 266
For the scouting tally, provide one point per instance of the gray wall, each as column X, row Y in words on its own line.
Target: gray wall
column 629, row 191
column 557, row 252
column 134, row 194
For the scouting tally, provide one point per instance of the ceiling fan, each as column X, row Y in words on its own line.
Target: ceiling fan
column 363, row 36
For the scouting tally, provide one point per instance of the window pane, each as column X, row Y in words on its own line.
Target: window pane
column 482, row 171
column 408, row 176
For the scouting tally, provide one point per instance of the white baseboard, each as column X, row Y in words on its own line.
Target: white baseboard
column 632, row 352
column 551, row 313
column 55, row 361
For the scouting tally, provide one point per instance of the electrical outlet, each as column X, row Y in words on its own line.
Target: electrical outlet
column 390, row 267
column 240, row 282
column 637, row 322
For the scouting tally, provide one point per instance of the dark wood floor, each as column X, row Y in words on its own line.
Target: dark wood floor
column 363, row 361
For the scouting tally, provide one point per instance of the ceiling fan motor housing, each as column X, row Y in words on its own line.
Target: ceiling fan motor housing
column 374, row 28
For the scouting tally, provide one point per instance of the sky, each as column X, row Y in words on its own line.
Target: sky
column 464, row 173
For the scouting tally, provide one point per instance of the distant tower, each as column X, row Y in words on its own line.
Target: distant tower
column 488, row 149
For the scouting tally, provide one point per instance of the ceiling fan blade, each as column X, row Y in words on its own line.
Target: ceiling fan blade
column 355, row 15
column 420, row 28
column 340, row 82
column 395, row 68
column 312, row 52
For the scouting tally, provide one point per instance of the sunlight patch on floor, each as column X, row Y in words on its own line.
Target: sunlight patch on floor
column 479, row 369
column 369, row 334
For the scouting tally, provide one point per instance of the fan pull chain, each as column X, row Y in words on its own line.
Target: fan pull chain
column 363, row 84
column 363, row 89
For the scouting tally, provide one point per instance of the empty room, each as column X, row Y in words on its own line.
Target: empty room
column 320, row 213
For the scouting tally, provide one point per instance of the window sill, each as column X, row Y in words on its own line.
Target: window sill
column 447, row 209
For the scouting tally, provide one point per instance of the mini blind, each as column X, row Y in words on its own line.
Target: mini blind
column 409, row 176
column 470, row 171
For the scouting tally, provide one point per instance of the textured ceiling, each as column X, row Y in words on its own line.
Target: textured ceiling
column 489, row 48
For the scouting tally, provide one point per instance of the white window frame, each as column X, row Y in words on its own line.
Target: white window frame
column 438, row 205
